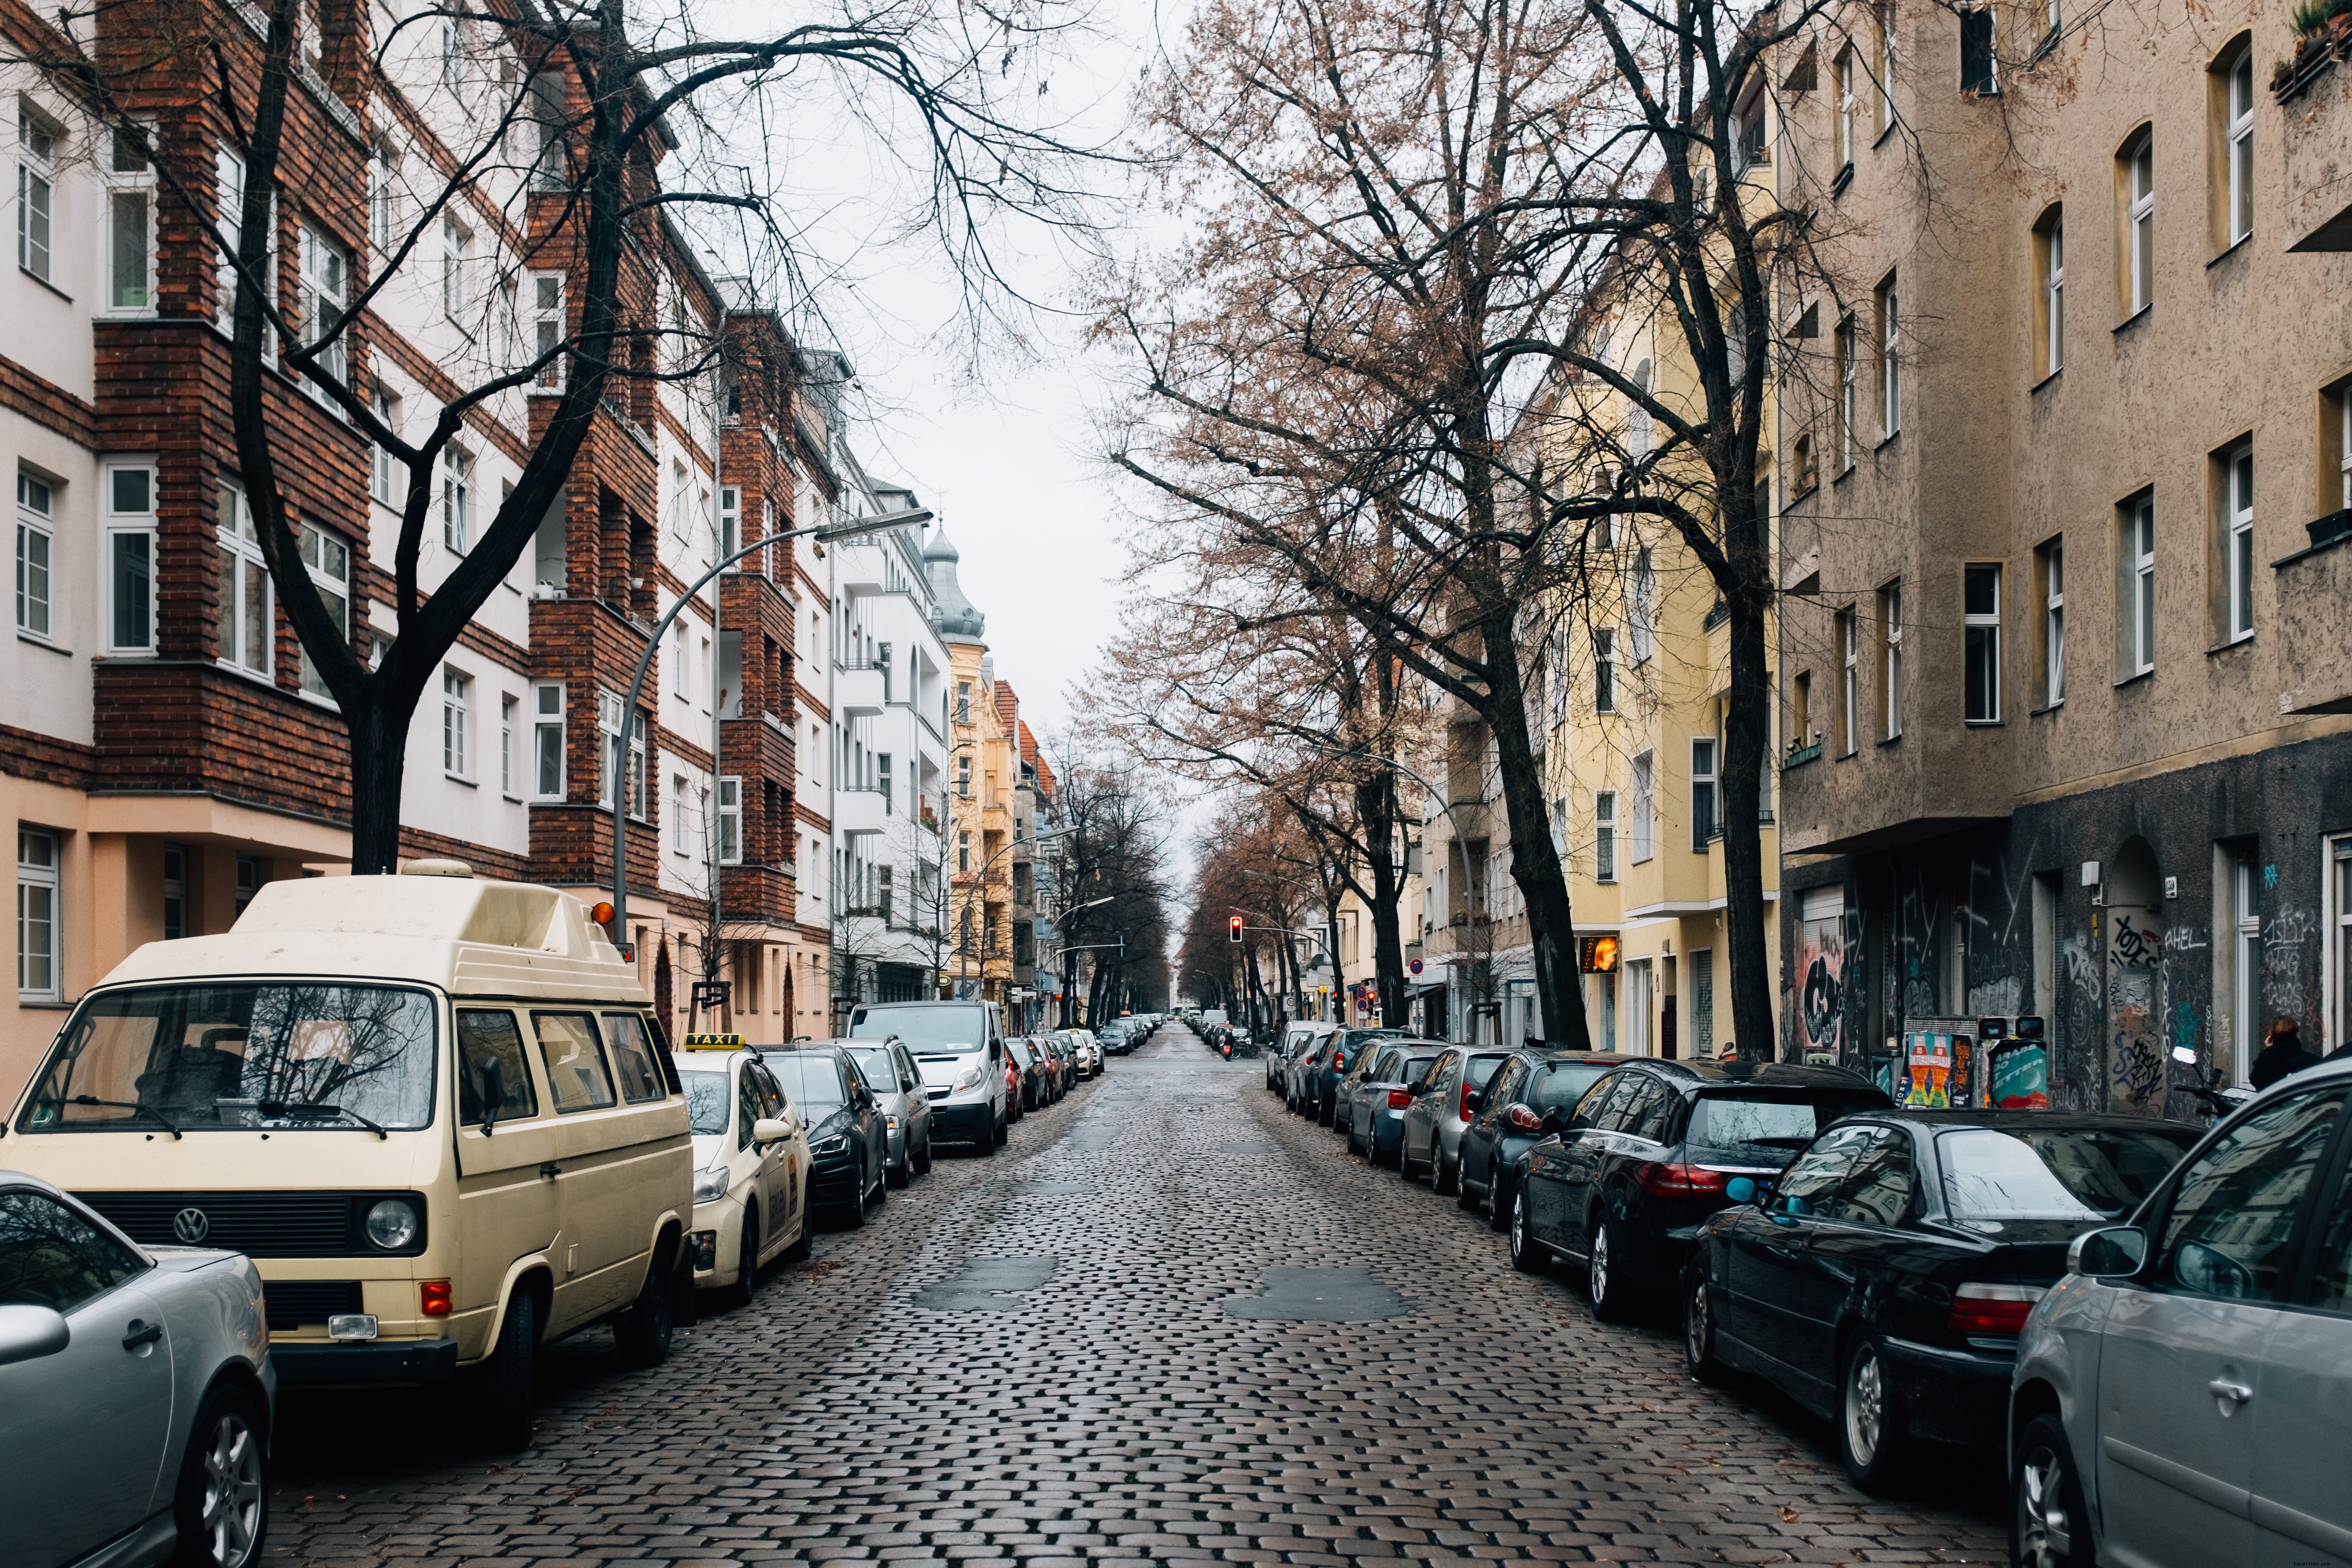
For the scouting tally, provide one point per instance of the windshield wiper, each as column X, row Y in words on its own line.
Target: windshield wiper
column 129, row 1105
column 281, row 1110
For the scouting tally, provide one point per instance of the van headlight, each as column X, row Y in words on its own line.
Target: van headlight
column 394, row 1225
column 711, row 1185
column 969, row 1078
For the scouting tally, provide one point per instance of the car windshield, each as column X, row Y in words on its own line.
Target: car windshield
column 810, row 1079
column 706, row 1101
column 1992, row 1175
column 240, row 1055
column 1562, row 1084
column 873, row 1062
column 1766, row 1121
column 950, row 1027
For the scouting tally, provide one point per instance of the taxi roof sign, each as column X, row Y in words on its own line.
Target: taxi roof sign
column 712, row 1042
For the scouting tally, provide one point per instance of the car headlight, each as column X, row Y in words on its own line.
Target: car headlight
column 394, row 1225
column 969, row 1078
column 833, row 1145
column 711, row 1185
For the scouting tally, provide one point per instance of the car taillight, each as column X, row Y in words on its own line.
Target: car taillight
column 1467, row 1111
column 433, row 1297
column 1521, row 1117
column 1993, row 1308
column 1665, row 1180
column 1399, row 1099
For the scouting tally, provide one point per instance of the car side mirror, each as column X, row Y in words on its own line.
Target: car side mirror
column 1740, row 1189
column 770, row 1130
column 29, row 1333
column 2116, row 1252
column 1556, row 1119
column 1475, row 1101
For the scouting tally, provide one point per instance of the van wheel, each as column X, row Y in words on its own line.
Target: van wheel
column 642, row 1334
column 502, row 1388
column 221, row 1505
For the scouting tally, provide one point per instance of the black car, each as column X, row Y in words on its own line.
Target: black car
column 849, row 1141
column 1509, row 1114
column 1884, row 1281
column 1651, row 1151
column 1037, row 1079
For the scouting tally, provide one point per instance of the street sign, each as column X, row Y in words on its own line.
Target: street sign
column 1413, row 965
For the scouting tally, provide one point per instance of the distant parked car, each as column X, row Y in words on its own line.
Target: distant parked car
column 1532, row 1085
column 848, row 1143
column 136, row 1393
column 1036, row 1084
column 1432, row 1125
column 1884, row 1280
column 1346, row 1051
column 1294, row 1039
column 888, row 1069
column 2179, row 1399
column 1375, row 1114
column 1620, row 1182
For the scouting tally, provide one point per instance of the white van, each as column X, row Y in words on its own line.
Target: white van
column 340, row 1088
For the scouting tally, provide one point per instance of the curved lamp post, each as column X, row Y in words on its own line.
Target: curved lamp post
column 618, row 922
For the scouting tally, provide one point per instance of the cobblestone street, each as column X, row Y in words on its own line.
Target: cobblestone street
column 1076, row 1350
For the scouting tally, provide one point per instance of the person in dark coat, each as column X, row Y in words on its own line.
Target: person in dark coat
column 2281, row 1054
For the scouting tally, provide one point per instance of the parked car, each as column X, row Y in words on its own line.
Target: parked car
column 1036, row 1087
column 1883, row 1282
column 2179, row 1398
column 1509, row 1116
column 1294, row 1039
column 1375, row 1115
column 889, row 1070
column 136, row 1393
column 1345, row 1053
column 1066, row 1071
column 1084, row 1059
column 1304, row 1076
column 849, row 1146
column 750, row 1167
column 1433, row 1122
column 1620, row 1181
column 958, row 1049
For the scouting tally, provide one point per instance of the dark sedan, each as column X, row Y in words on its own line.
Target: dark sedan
column 1884, row 1281
column 1037, row 1077
column 1651, row 1151
column 1511, row 1115
column 849, row 1140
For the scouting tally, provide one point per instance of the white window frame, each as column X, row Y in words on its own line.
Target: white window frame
column 246, row 602
column 547, row 717
column 1645, row 806
column 36, row 555
column 453, row 59
column 730, row 524
column 1850, row 681
column 2245, row 939
column 2240, row 134
column 2139, row 222
column 36, row 190
column 2237, row 538
column 1890, row 604
column 120, row 529
column 229, row 192
column 1890, row 362
column 456, row 724
column 547, row 328
column 2344, row 446
column 1642, row 602
column 509, row 706
column 457, row 246
column 680, row 682
column 383, row 471
column 1705, row 826
column 1604, row 669
column 456, row 499
column 1849, row 397
column 1847, row 105
column 730, row 819
column 380, row 197
column 1886, row 74
column 327, row 558
column 127, row 189
column 678, row 846
column 325, row 269
column 2336, row 962
column 1604, row 835
column 2054, row 623
column 1981, row 629
column 2139, row 613
column 2053, row 295
column 38, row 852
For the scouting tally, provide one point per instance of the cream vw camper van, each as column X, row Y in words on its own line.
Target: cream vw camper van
column 435, row 1111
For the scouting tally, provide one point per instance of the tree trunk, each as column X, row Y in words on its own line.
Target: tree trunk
column 1376, row 809
column 1338, row 977
column 1534, row 863
column 379, row 755
column 1746, row 719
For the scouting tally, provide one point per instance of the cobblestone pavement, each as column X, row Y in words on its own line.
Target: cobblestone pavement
column 1032, row 1357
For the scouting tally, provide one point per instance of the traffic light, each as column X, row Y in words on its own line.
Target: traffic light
column 1233, row 928
column 1597, row 954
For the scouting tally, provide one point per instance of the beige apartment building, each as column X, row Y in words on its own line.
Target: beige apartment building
column 2065, row 690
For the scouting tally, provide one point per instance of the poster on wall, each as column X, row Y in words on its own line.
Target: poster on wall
column 1927, row 1054
column 2021, row 1075
column 1820, row 970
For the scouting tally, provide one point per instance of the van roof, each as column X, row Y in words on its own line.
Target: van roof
column 467, row 935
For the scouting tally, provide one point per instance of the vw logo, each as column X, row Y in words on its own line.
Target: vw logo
column 191, row 1226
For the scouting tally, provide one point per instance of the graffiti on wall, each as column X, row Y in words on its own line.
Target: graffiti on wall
column 1821, row 996
column 2136, row 1022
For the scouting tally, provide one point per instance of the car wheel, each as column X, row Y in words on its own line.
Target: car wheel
column 1699, row 1330
column 881, row 1190
column 803, row 1242
column 1605, row 1285
column 642, row 1334
column 904, row 1173
column 2045, row 1500
column 1527, row 1256
column 924, row 1168
column 1442, row 1178
column 747, row 1263
column 1870, row 1416
column 1499, row 1201
column 221, row 1506
column 503, row 1391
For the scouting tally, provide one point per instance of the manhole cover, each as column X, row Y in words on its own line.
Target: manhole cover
column 986, row 1285
column 1050, row 1189
column 1319, row 1296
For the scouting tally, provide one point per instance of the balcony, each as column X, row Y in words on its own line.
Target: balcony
column 858, row 689
column 860, row 811
column 2314, row 585
column 2318, row 119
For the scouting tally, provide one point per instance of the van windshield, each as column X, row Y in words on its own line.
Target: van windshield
column 284, row 1055
column 945, row 1026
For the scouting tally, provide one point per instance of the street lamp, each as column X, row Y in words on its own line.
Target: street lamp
column 825, row 534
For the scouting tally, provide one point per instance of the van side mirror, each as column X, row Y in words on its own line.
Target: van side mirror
column 2116, row 1252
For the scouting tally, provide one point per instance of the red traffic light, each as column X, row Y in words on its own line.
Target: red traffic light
column 1233, row 928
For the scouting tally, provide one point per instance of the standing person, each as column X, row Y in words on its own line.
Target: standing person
column 2281, row 1054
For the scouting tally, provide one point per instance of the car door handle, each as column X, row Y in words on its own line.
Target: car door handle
column 551, row 1169
column 140, row 1333
column 2237, row 1393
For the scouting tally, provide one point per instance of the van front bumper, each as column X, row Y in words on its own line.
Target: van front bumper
column 963, row 1121
column 312, row 1363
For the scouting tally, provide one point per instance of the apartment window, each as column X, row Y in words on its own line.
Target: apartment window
column 963, row 709
column 2236, row 521
column 127, row 491
column 608, row 729
column 1645, row 808
column 1977, row 70
column 325, row 271
column 456, row 724
column 383, row 482
column 1604, row 835
column 547, row 329
column 244, row 627
column 679, row 683
column 1890, row 622
column 1849, row 685
column 37, row 150
column 380, row 197
column 328, row 560
column 1800, row 709
column 547, row 740
column 2136, row 614
column 1801, row 460
column 1751, row 149
column 963, row 777
column 1847, row 107
column 2050, row 266
column 1637, row 414
column 963, row 851
column 1842, row 348
column 2244, row 953
column 456, row 499
column 882, row 783
column 229, row 183
column 1643, row 605
column 455, row 284
column 36, row 544
column 248, row 882
column 129, row 226
column 2340, row 972
column 731, row 522
column 1890, row 372
column 2050, row 563
column 2235, row 99
column 36, row 914
column 730, row 821
column 1886, row 71
column 679, row 837
column 2139, row 182
column 1980, row 642
column 453, row 57
column 1604, row 671
column 175, row 892
column 550, row 171
column 2339, row 409
column 1706, row 820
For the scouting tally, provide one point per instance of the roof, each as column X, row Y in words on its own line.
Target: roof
column 951, row 613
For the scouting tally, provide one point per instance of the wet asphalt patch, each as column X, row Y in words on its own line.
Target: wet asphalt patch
column 1318, row 1296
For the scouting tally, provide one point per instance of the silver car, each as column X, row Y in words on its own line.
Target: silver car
column 889, row 1071
column 1429, row 1137
column 136, row 1392
column 2181, row 1396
